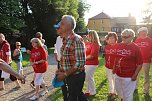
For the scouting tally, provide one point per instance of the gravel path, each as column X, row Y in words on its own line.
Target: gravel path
column 24, row 93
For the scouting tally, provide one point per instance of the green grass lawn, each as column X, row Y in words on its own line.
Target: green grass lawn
column 102, row 87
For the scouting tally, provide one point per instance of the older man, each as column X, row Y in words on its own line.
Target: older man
column 72, row 60
column 145, row 45
column 57, row 52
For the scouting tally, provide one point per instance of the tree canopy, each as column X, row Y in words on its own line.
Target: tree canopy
column 31, row 16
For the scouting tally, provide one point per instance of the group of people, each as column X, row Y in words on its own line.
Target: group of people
column 77, row 59
column 125, row 60
column 38, row 60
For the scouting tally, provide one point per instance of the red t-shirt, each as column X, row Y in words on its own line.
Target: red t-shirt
column 128, row 57
column 37, row 55
column 5, row 50
column 110, row 52
column 93, row 50
column 145, row 46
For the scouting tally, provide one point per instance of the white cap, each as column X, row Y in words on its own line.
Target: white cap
column 142, row 29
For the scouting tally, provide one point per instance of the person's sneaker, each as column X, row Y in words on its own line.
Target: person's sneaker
column 34, row 98
column 32, row 84
column 44, row 92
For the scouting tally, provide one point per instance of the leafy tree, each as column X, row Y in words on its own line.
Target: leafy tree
column 148, row 13
column 148, row 17
column 41, row 15
column 9, row 15
column 82, row 8
column 31, row 16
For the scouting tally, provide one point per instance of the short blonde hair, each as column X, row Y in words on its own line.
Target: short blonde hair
column 37, row 41
column 94, row 37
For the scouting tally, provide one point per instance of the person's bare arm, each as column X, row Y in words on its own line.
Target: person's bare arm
column 134, row 77
column 5, row 67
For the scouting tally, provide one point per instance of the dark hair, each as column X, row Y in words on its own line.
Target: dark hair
column 110, row 34
column 38, row 35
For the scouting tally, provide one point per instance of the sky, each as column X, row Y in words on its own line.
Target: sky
column 116, row 8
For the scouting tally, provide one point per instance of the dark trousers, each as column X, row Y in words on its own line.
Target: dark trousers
column 64, row 87
column 65, row 91
column 73, row 91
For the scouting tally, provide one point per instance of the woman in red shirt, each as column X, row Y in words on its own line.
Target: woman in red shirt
column 127, row 65
column 92, row 52
column 38, row 59
column 110, row 51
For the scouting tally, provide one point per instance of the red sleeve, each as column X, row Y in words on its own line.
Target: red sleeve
column 139, row 57
column 6, row 48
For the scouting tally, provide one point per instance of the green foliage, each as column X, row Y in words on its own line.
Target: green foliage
column 31, row 16
column 82, row 8
column 9, row 15
column 148, row 13
column 81, row 26
column 51, row 50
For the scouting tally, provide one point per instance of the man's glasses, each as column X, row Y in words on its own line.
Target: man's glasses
column 126, row 37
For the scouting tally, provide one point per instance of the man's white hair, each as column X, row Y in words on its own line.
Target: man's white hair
column 71, row 20
column 142, row 29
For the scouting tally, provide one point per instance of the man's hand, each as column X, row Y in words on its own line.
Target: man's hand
column 28, row 51
column 134, row 77
column 61, row 76
column 113, row 70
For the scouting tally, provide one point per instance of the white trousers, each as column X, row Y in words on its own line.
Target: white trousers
column 111, row 81
column 125, row 87
column 39, row 78
column 90, row 83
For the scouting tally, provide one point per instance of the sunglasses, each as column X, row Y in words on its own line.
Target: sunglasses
column 126, row 37
column 18, row 45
